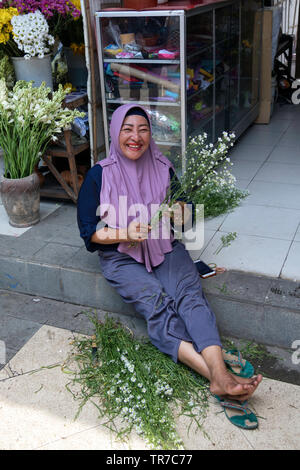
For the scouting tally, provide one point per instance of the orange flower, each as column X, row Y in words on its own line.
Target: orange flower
column 77, row 48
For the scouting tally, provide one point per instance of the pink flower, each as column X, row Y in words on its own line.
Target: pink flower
column 47, row 7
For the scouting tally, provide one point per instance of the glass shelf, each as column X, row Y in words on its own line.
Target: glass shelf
column 143, row 61
column 199, row 52
column 145, row 103
column 206, row 48
column 197, row 93
column 171, row 144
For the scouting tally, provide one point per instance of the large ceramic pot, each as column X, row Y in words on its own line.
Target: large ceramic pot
column 21, row 200
column 36, row 69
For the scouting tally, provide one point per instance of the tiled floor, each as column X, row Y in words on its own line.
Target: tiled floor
column 46, row 208
column 266, row 162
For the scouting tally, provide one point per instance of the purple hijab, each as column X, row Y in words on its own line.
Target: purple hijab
column 144, row 181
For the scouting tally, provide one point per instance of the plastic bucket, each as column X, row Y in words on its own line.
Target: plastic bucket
column 36, row 69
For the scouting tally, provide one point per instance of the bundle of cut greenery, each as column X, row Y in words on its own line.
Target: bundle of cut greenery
column 129, row 379
column 207, row 179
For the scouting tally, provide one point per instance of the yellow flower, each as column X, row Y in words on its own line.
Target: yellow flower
column 246, row 43
column 76, row 4
column 6, row 15
column 69, row 86
column 77, row 48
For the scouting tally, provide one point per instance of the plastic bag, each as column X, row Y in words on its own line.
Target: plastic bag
column 114, row 31
column 80, row 125
column 165, row 128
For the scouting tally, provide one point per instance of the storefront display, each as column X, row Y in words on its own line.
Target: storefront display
column 194, row 67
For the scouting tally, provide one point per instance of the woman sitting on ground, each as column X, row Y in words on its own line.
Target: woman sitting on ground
column 156, row 275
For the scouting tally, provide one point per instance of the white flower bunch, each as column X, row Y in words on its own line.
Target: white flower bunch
column 208, row 179
column 29, row 119
column 30, row 32
column 137, row 387
column 163, row 388
column 205, row 163
column 127, row 364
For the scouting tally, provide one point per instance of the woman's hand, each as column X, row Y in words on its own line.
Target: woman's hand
column 137, row 231
column 178, row 213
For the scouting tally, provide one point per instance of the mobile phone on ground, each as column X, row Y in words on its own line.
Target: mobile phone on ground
column 204, row 270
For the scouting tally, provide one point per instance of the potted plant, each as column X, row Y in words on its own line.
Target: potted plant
column 70, row 32
column 30, row 117
column 26, row 39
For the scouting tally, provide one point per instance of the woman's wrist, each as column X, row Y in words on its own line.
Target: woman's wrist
column 108, row 235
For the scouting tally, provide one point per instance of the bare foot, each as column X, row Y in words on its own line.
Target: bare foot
column 229, row 386
column 255, row 381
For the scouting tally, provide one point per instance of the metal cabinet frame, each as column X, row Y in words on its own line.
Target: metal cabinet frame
column 182, row 61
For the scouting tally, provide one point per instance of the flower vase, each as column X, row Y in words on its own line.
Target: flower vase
column 21, row 200
column 37, row 69
column 77, row 71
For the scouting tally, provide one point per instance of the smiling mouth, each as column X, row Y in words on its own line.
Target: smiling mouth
column 134, row 147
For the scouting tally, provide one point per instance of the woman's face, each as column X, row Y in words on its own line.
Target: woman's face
column 134, row 138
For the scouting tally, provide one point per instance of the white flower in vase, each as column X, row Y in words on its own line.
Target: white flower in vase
column 31, row 34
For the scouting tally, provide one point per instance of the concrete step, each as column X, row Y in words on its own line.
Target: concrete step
column 247, row 306
column 22, row 316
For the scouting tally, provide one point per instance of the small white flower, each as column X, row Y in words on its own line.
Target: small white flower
column 31, row 33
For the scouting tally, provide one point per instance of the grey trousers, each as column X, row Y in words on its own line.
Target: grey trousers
column 170, row 298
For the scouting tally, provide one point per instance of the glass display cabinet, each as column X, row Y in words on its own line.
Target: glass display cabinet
column 194, row 67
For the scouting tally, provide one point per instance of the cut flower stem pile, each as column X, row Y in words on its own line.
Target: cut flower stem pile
column 135, row 386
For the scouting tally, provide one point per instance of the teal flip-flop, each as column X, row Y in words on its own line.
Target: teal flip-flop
column 245, row 419
column 236, row 364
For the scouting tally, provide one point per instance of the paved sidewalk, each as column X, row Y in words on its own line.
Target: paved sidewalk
column 266, row 162
column 37, row 411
